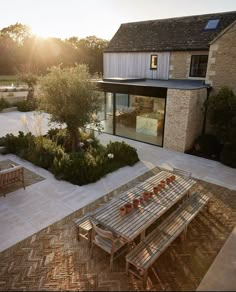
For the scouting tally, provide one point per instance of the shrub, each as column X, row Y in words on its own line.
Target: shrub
column 61, row 137
column 80, row 168
column 221, row 111
column 77, row 168
column 38, row 150
column 52, row 132
column 123, row 152
column 43, row 152
column 228, row 155
column 57, row 135
column 89, row 166
column 17, row 144
column 27, row 105
column 3, row 104
column 207, row 145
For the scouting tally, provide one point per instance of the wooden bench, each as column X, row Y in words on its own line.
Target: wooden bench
column 141, row 258
column 10, row 176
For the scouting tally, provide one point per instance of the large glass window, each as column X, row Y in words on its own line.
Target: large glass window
column 133, row 116
column 198, row 66
column 107, row 120
column 141, row 119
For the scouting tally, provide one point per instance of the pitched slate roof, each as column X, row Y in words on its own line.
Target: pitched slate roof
column 182, row 33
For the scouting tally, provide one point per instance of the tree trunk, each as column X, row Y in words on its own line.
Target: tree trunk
column 30, row 94
column 74, row 137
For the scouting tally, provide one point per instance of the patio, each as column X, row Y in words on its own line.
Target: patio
column 53, row 259
column 38, row 242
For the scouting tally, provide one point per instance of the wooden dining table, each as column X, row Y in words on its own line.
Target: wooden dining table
column 139, row 219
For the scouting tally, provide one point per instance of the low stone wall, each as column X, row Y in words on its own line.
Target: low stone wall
column 184, row 118
column 14, row 96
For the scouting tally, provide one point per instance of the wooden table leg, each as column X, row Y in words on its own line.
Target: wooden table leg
column 142, row 236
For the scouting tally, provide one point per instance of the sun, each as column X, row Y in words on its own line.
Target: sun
column 42, row 31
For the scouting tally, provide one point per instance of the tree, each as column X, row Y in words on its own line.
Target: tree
column 89, row 51
column 91, row 48
column 8, row 56
column 71, row 97
column 21, row 51
column 17, row 32
column 12, row 40
column 31, row 80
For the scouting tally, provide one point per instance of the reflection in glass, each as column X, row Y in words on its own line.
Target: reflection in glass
column 136, row 117
column 106, row 117
column 141, row 118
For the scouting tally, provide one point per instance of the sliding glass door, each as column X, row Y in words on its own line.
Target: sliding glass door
column 132, row 116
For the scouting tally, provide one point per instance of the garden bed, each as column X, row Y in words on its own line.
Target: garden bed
column 91, row 162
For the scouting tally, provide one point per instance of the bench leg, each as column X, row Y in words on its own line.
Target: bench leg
column 23, row 179
column 111, row 262
column 208, row 206
column 78, row 236
column 145, row 279
column 91, row 250
column 183, row 235
column 185, row 232
column 89, row 238
column 23, row 182
column 142, row 236
column 2, row 189
column 127, row 267
column 188, row 194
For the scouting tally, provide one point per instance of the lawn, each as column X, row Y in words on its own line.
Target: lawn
column 7, row 80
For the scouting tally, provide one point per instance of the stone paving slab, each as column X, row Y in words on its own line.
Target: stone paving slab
column 221, row 276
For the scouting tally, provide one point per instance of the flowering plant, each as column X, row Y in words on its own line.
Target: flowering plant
column 110, row 155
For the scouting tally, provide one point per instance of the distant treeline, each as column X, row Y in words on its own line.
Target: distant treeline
column 21, row 51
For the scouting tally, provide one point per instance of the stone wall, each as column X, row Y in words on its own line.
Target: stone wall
column 180, row 64
column 184, row 118
column 221, row 69
column 195, row 116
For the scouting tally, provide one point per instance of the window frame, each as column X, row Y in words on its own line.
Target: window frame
column 217, row 20
column 191, row 64
column 151, row 66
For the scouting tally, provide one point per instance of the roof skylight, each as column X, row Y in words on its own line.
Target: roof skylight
column 212, row 24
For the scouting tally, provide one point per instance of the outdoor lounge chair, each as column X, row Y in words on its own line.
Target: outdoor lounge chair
column 11, row 176
column 106, row 241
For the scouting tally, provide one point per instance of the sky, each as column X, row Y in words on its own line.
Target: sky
column 102, row 18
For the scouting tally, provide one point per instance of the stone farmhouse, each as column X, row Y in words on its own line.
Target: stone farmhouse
column 158, row 73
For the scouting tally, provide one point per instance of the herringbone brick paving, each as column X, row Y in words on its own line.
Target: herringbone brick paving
column 53, row 259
